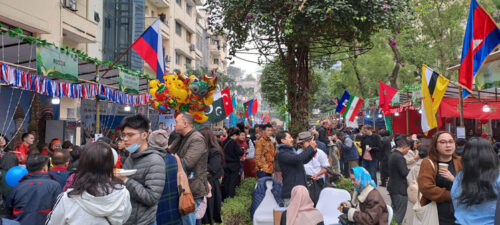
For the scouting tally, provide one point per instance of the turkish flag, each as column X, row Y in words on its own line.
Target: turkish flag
column 226, row 99
column 386, row 93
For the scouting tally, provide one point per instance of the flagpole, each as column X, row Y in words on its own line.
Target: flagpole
column 130, row 46
column 97, row 106
column 461, row 103
column 116, row 61
column 407, row 118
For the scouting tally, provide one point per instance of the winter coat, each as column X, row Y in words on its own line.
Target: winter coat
column 349, row 150
column 232, row 154
column 193, row 153
column 398, row 171
column 292, row 167
column 427, row 181
column 114, row 208
column 369, row 207
column 146, row 185
column 33, row 198
column 260, row 192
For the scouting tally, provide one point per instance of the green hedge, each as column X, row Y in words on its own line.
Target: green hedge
column 236, row 211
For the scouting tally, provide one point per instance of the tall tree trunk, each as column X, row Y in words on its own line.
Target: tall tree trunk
column 358, row 75
column 395, row 71
column 299, row 87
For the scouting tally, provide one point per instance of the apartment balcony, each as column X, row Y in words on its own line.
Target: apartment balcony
column 78, row 28
column 215, row 50
column 165, row 27
column 160, row 3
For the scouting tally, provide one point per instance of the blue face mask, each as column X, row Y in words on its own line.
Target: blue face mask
column 133, row 148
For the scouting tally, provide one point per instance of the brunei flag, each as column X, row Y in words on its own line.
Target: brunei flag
column 433, row 88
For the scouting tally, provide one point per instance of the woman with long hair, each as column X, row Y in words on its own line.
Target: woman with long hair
column 437, row 173
column 215, row 171
column 475, row 188
column 96, row 197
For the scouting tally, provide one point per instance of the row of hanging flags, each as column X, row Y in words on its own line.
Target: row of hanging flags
column 225, row 106
column 15, row 77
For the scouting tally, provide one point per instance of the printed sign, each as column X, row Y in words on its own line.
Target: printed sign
column 129, row 83
column 52, row 63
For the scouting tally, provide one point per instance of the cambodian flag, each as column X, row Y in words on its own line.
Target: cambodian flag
column 482, row 36
column 149, row 47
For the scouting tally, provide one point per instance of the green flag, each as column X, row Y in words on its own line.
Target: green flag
column 216, row 111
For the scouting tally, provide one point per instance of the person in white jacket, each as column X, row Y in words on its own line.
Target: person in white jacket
column 96, row 197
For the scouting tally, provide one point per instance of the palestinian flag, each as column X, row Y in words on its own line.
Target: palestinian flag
column 352, row 108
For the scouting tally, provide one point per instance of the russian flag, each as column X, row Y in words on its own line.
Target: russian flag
column 149, row 47
column 482, row 36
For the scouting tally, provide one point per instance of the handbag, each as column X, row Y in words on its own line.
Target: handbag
column 427, row 214
column 186, row 200
column 367, row 156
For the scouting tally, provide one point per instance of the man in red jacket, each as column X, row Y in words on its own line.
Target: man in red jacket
column 22, row 149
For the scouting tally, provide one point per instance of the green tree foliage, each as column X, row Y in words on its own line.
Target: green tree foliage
column 296, row 32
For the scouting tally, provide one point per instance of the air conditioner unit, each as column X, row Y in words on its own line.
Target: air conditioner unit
column 70, row 4
column 167, row 58
column 191, row 47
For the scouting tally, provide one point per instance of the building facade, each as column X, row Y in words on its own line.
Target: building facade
column 73, row 23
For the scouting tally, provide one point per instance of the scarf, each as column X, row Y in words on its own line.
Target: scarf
column 301, row 209
column 363, row 178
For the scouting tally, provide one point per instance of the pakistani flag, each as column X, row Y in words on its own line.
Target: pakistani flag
column 352, row 108
column 215, row 112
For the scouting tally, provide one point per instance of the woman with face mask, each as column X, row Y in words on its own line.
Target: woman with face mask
column 367, row 205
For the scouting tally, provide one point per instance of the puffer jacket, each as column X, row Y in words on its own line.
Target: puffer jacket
column 193, row 152
column 260, row 192
column 146, row 185
column 368, row 207
column 113, row 208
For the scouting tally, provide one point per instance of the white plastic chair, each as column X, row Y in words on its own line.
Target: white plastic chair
column 390, row 212
column 329, row 200
column 264, row 213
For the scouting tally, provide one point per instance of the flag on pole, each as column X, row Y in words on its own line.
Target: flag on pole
column 255, row 106
column 215, row 112
column 343, row 102
column 249, row 107
column 433, row 88
column 226, row 99
column 150, row 48
column 352, row 108
column 482, row 36
column 386, row 93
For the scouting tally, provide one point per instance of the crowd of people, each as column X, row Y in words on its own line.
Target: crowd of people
column 69, row 184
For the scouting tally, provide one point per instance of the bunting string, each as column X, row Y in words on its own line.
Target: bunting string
column 15, row 77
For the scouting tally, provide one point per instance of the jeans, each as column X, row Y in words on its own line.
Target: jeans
column 153, row 223
column 190, row 219
column 371, row 167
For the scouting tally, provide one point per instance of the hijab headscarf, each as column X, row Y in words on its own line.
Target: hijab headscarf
column 301, row 209
column 363, row 178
